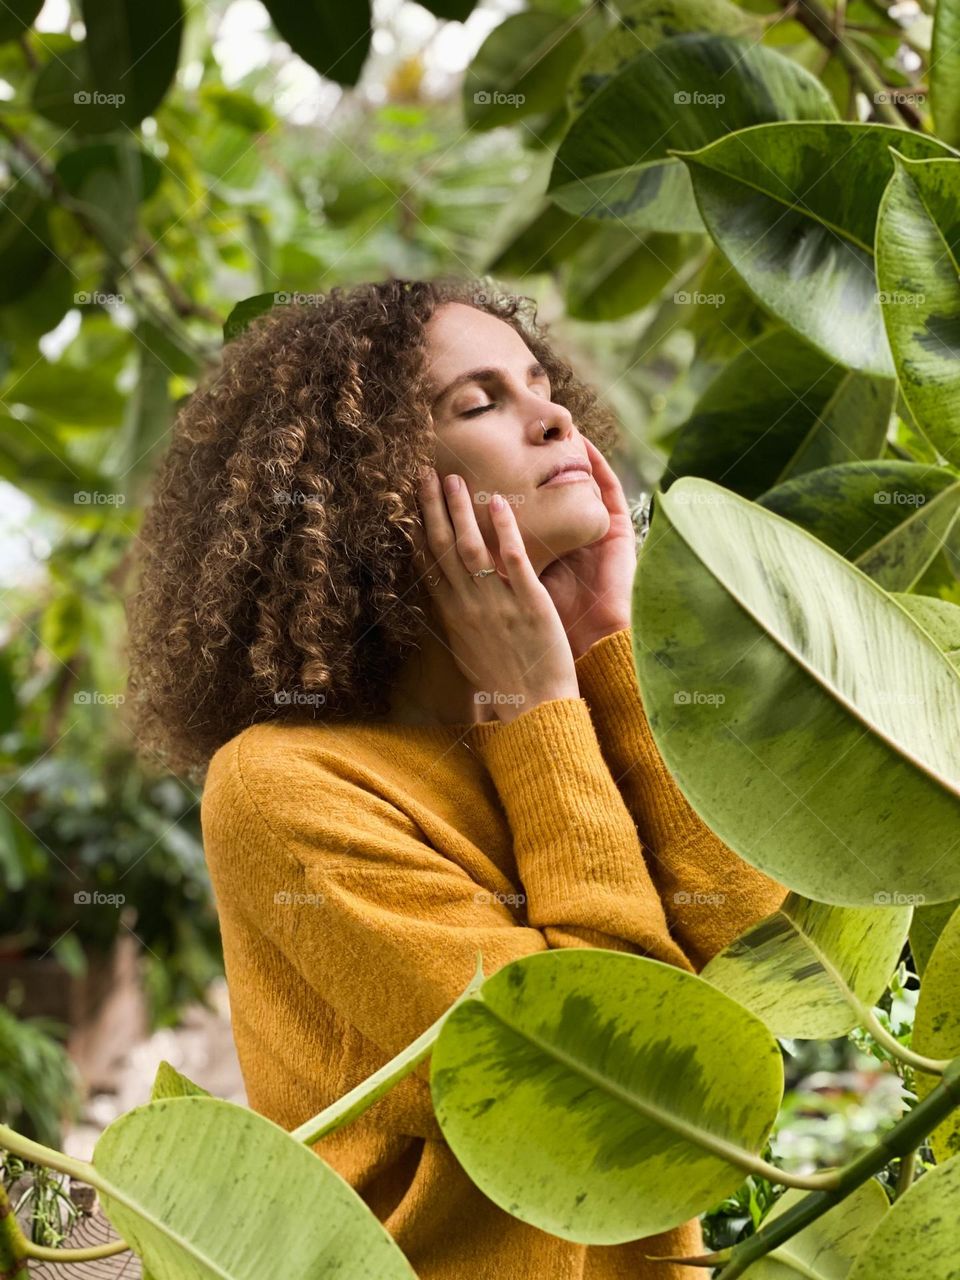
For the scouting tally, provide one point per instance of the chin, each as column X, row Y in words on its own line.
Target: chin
column 580, row 529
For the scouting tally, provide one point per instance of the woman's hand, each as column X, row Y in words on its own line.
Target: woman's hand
column 592, row 586
column 503, row 629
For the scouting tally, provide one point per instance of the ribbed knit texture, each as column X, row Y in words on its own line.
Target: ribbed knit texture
column 357, row 870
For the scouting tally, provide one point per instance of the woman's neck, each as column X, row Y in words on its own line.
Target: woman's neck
column 431, row 689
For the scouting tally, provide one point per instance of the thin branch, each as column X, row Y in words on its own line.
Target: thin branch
column 829, row 32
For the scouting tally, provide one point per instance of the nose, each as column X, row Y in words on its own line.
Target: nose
column 550, row 421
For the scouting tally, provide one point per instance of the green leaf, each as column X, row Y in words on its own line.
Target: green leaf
column 918, row 270
column 111, row 179
column 777, row 410
column 64, row 92
column 149, row 413
column 613, row 162
column 888, row 518
column 939, row 618
column 16, row 16
column 8, row 696
column 575, row 1105
column 826, row 1249
column 548, row 239
column 763, row 655
column 521, row 68
column 451, row 10
column 945, row 71
column 926, row 928
column 81, row 397
column 787, row 969
column 169, row 1083
column 133, row 50
column 936, row 1027
column 33, row 458
column 24, row 240
column 244, row 312
column 643, row 25
column 619, row 272
column 332, row 38
column 728, row 317
column 920, row 1236
column 794, row 208
column 188, row 1224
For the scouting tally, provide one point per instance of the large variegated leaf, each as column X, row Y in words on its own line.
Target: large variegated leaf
column 827, row 1248
column 791, row 968
column 806, row 717
column 794, row 208
column 779, row 409
column 920, row 1236
column 889, row 518
column 641, row 26
column 918, row 270
column 936, row 1027
column 945, row 71
column 939, row 618
column 593, row 1093
column 164, row 1189
column 690, row 89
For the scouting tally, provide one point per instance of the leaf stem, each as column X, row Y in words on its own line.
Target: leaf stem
column 91, row 1254
column 368, row 1091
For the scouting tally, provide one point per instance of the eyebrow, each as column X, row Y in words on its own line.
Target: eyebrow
column 487, row 374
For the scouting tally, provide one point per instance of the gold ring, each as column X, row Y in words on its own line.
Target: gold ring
column 482, row 573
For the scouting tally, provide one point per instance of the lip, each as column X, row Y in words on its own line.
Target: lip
column 565, row 472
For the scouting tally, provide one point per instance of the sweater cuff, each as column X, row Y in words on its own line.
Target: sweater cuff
column 575, row 843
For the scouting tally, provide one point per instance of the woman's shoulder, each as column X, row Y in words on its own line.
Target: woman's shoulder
column 294, row 777
column 284, row 748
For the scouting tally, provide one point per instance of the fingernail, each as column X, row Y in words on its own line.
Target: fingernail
column 496, row 502
column 451, row 483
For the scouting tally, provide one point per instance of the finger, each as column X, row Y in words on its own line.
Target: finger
column 440, row 537
column 470, row 544
column 513, row 553
column 611, row 490
column 425, row 561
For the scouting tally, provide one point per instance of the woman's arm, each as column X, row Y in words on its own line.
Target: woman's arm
column 709, row 893
column 385, row 927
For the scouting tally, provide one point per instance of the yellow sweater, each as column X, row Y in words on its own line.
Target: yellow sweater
column 357, row 869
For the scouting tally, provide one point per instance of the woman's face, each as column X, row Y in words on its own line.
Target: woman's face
column 490, row 396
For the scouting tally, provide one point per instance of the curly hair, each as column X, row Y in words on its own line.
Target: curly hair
column 275, row 563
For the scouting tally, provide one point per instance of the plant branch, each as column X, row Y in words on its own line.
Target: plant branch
column 829, row 32
column 178, row 300
column 901, row 1140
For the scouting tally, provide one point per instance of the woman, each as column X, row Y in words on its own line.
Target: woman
column 418, row 718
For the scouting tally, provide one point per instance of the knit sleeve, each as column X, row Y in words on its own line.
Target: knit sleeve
column 384, row 926
column 710, row 894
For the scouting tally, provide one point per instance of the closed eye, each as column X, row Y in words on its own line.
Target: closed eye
column 473, row 413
